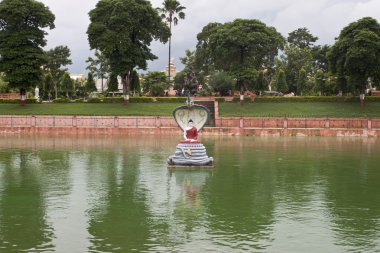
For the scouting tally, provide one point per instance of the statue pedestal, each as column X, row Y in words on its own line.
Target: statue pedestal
column 190, row 154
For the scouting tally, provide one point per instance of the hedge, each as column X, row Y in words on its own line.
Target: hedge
column 246, row 99
column 61, row 100
column 220, row 99
column 171, row 99
column 315, row 99
column 17, row 101
column 140, row 100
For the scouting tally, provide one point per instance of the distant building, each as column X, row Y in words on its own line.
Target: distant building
column 98, row 84
column 77, row 76
column 173, row 70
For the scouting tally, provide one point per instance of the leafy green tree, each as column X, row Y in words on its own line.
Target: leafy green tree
column 153, row 77
column 22, row 36
column 302, row 82
column 67, row 84
column 113, row 84
column 179, row 81
column 4, row 88
column 169, row 11
column 122, row 31
column 57, row 59
column 281, row 81
column 320, row 82
column 295, row 59
column 90, row 83
column 135, row 83
column 221, row 82
column 319, row 56
column 355, row 56
column 98, row 66
column 48, row 86
column 157, row 89
column 239, row 46
column 260, row 83
column 302, row 38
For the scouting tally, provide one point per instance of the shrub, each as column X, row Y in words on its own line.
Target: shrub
column 78, row 100
column 246, row 99
column 94, row 100
column 308, row 99
column 9, row 101
column 171, row 99
column 113, row 100
column 220, row 99
column 61, row 100
column 141, row 100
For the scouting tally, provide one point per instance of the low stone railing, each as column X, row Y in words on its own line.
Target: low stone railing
column 260, row 126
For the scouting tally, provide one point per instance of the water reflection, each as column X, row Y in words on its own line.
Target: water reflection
column 23, row 223
column 112, row 194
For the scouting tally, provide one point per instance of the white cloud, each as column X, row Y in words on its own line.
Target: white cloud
column 324, row 18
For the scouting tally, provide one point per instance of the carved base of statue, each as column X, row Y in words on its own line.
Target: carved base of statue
column 190, row 153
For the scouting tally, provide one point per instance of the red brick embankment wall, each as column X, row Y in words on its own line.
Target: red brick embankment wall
column 167, row 125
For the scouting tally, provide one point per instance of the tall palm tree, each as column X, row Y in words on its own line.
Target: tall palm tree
column 169, row 10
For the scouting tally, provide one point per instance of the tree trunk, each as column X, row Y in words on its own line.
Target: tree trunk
column 126, row 86
column 170, row 47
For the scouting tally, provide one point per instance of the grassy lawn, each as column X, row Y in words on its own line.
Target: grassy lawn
column 133, row 109
column 310, row 109
column 321, row 109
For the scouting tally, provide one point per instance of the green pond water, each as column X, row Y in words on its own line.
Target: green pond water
column 115, row 194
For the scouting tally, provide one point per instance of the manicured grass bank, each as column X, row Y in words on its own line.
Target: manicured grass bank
column 297, row 109
column 255, row 109
column 96, row 109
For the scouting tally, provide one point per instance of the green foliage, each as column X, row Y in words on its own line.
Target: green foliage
column 153, row 77
column 141, row 100
column 179, row 80
column 113, row 84
column 57, row 58
column 302, row 38
column 94, row 100
column 281, row 81
column 220, row 99
column 135, row 83
column 171, row 99
column 98, row 66
column 90, row 83
column 246, row 99
column 157, row 89
column 48, row 85
column 122, row 30
column 302, row 82
column 303, row 99
column 113, row 100
column 22, row 36
column 239, row 44
column 9, row 101
column 67, row 85
column 355, row 56
column 221, row 82
column 61, row 100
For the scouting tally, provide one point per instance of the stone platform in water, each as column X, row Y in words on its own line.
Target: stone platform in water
column 190, row 154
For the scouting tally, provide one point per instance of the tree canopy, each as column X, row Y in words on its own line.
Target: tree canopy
column 22, row 24
column 238, row 46
column 355, row 56
column 122, row 30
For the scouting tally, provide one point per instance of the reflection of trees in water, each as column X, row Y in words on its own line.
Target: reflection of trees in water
column 353, row 199
column 240, row 201
column 119, row 222
column 23, row 225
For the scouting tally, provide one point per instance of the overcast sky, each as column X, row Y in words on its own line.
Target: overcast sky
column 323, row 18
